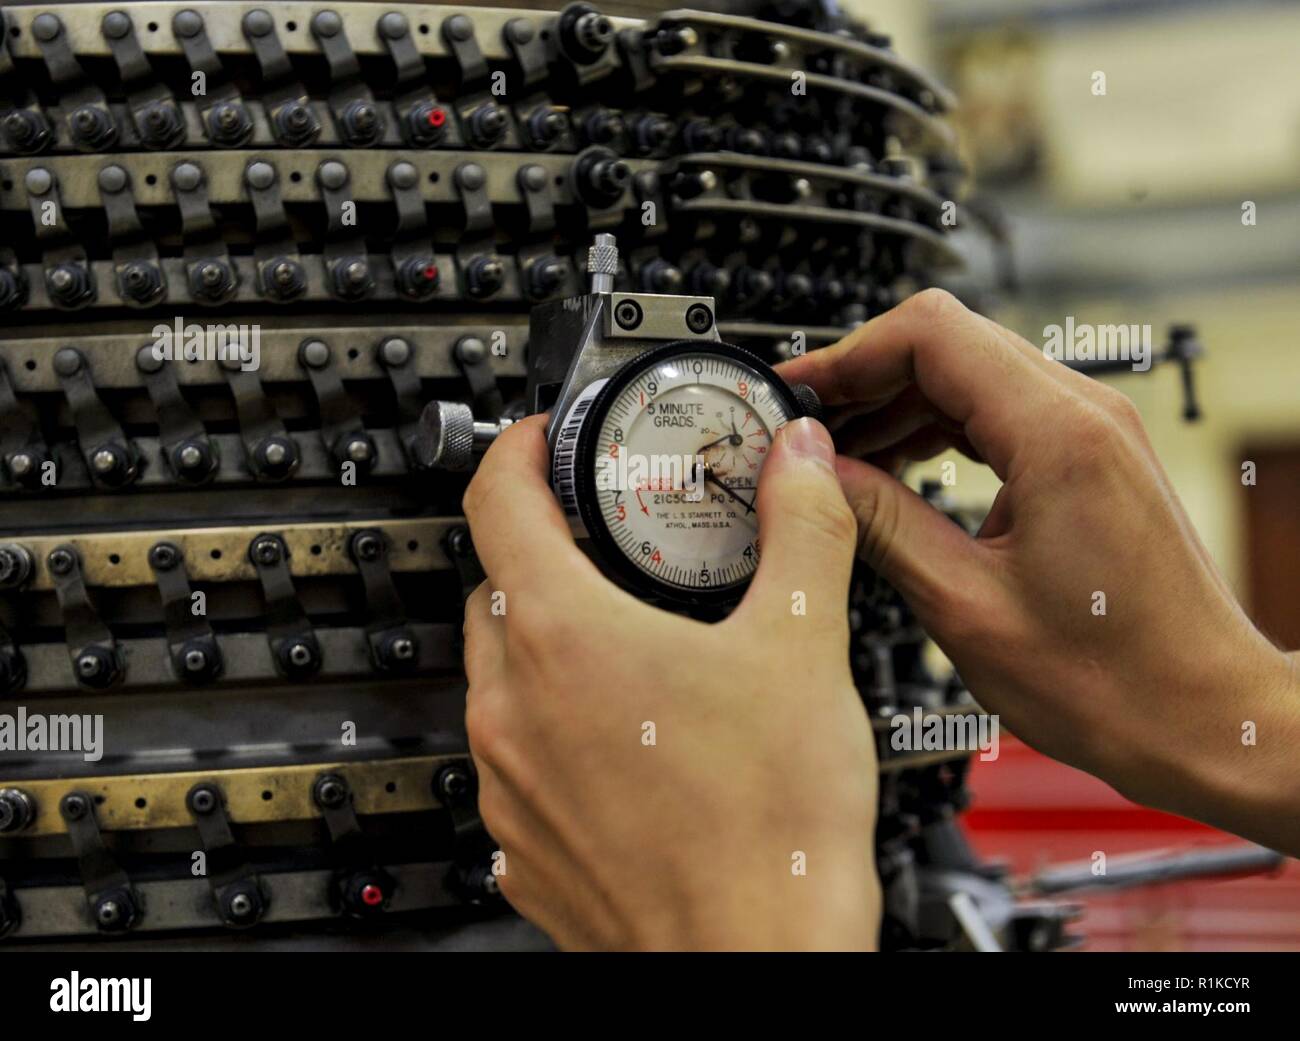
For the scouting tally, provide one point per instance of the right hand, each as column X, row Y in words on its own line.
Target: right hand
column 1152, row 695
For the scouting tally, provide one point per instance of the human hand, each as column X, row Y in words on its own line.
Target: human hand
column 762, row 756
column 1150, row 695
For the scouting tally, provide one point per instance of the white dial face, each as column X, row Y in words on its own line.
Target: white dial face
column 678, row 455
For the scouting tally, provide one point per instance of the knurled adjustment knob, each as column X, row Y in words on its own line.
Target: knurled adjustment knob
column 445, row 438
column 809, row 401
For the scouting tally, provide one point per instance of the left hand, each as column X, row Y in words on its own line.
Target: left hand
column 762, row 758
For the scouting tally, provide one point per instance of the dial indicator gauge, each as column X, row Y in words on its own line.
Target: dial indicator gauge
column 662, row 464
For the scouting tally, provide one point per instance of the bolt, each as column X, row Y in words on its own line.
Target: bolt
column 67, row 361
column 331, row 791
column 627, row 314
column 402, row 175
column 112, row 178
column 359, row 449
column 61, row 561
column 300, row 654
column 471, row 176
column 195, row 660
column 327, row 23
column 276, row 453
column 453, row 783
column 470, row 350
column 260, row 175
column 38, row 180
column 104, row 461
column 187, row 177
column 109, row 912
column 402, row 648
column 46, row 27
column 394, row 25
column 203, row 800
column 241, row 905
column 267, row 551
column 533, row 177
column 369, row 547
column 164, row 556
column 75, row 806
column 460, row 542
column 699, row 319
column 116, row 25
column 459, row 27
column 190, row 456
column 332, row 175
column 187, row 23
column 21, row 464
column 521, row 30
column 258, row 23
column 395, row 351
column 314, row 354
column 89, row 666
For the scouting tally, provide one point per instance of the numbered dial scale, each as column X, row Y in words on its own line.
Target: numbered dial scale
column 658, row 465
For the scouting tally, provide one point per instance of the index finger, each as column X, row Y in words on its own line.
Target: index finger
column 958, row 361
column 520, row 531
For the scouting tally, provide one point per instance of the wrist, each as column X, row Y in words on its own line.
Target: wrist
column 1239, row 771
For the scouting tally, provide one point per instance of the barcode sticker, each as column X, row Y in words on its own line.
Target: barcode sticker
column 564, row 466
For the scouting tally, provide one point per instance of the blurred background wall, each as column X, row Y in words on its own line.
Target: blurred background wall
column 1127, row 207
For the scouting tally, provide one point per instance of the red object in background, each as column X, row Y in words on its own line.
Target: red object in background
column 1031, row 812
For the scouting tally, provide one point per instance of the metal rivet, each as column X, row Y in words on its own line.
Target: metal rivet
column 260, row 175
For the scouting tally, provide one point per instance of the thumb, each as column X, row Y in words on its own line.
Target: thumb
column 918, row 550
column 807, row 531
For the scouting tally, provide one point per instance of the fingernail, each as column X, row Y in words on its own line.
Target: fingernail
column 808, row 438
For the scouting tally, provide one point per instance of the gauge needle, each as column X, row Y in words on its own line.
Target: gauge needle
column 749, row 507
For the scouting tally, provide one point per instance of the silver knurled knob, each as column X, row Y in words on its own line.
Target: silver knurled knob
column 449, row 437
column 446, row 436
column 602, row 263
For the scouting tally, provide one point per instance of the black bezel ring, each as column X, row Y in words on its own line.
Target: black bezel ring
column 584, row 464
